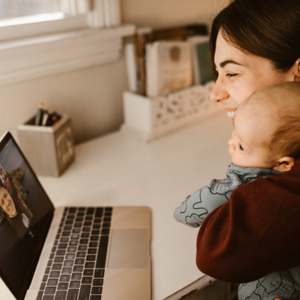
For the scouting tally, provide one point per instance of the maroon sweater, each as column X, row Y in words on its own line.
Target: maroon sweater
column 255, row 233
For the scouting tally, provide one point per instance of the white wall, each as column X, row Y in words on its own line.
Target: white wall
column 166, row 13
column 93, row 97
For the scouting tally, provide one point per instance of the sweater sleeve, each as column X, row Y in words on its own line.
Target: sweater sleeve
column 255, row 233
column 196, row 207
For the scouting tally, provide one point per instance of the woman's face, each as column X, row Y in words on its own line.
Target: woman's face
column 7, row 203
column 240, row 74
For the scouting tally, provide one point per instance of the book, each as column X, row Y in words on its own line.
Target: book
column 142, row 38
column 146, row 35
column 202, row 68
column 168, row 66
column 132, row 69
column 179, row 33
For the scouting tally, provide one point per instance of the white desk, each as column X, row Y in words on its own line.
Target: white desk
column 119, row 170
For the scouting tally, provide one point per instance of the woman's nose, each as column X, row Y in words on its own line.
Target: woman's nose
column 219, row 92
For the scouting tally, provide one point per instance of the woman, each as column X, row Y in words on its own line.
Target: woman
column 15, row 213
column 254, row 44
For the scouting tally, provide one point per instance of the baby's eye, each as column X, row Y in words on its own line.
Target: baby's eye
column 241, row 147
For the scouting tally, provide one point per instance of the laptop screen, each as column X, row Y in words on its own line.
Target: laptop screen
column 25, row 216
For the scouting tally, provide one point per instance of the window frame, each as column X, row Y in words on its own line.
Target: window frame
column 74, row 14
column 57, row 46
column 26, row 27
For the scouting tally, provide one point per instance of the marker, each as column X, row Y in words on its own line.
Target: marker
column 45, row 118
column 39, row 114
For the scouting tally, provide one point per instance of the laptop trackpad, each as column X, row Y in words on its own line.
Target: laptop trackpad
column 129, row 249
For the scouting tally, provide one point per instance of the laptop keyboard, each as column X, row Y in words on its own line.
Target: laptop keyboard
column 76, row 266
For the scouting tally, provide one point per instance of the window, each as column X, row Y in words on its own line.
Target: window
column 20, row 8
column 19, row 21
column 25, row 18
column 72, row 34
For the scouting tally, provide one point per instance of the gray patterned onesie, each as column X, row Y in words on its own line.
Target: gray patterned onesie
column 196, row 207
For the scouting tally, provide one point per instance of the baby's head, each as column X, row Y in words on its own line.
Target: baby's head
column 267, row 128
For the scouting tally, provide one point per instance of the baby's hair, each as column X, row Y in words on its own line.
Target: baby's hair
column 282, row 103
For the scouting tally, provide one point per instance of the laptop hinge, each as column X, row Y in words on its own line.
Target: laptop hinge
column 31, row 294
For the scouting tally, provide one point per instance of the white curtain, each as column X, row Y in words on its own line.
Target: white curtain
column 76, row 7
column 100, row 13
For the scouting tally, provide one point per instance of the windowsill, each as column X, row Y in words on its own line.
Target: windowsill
column 36, row 57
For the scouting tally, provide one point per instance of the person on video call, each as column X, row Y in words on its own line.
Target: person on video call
column 16, row 211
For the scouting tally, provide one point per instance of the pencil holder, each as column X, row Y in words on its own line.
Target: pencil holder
column 49, row 149
column 150, row 118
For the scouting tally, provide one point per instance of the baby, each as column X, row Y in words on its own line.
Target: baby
column 266, row 141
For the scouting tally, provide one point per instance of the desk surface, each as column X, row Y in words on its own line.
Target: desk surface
column 119, row 170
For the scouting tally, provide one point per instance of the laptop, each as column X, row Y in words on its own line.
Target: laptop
column 67, row 253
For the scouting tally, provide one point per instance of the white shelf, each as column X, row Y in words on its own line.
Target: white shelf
column 150, row 118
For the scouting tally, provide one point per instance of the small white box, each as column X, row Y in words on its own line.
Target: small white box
column 49, row 149
column 151, row 118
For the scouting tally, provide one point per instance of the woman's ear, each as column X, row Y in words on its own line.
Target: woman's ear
column 297, row 70
column 284, row 164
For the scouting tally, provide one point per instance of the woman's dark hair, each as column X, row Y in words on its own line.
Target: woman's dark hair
column 265, row 28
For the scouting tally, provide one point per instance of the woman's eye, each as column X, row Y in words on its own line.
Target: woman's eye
column 230, row 74
column 241, row 147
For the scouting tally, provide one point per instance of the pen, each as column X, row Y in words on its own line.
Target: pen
column 45, row 118
column 39, row 114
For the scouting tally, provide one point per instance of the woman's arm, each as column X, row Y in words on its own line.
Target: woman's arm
column 255, row 233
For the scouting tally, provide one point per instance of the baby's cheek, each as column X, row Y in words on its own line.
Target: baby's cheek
column 236, row 159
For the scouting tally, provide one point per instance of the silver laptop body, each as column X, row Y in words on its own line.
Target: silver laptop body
column 68, row 253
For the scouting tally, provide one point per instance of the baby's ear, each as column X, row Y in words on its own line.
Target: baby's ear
column 284, row 164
